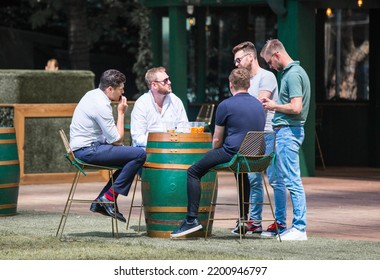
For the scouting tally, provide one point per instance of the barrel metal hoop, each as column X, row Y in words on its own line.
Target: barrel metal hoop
column 159, row 209
column 179, row 137
column 166, row 166
column 176, row 151
column 8, row 141
column 11, row 185
column 5, row 130
column 10, row 162
column 8, row 206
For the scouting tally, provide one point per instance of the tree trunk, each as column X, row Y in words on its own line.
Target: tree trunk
column 79, row 45
column 351, row 56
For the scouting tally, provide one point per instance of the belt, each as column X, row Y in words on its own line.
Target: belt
column 83, row 148
column 277, row 127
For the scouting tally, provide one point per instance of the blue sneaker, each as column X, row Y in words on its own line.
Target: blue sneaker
column 187, row 228
column 271, row 230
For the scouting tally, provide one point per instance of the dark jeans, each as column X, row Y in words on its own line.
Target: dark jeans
column 199, row 169
column 130, row 158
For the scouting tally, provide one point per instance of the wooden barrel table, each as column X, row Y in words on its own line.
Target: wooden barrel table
column 9, row 172
column 164, row 181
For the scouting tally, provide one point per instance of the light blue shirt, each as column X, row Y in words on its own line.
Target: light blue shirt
column 93, row 121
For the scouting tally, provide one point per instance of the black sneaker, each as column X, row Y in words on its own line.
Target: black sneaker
column 187, row 228
column 243, row 227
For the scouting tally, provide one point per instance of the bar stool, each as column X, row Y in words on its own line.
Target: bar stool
column 318, row 126
column 137, row 179
column 81, row 167
column 255, row 154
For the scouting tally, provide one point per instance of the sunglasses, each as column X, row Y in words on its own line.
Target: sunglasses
column 238, row 60
column 164, row 81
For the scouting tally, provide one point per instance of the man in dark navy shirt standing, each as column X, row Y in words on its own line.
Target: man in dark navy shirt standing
column 235, row 116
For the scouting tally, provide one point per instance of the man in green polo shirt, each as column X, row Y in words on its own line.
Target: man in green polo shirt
column 291, row 112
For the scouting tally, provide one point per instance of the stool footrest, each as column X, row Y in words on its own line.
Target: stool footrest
column 89, row 201
column 222, row 219
column 226, row 204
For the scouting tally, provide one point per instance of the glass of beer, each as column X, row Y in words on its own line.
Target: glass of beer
column 170, row 127
column 197, row 127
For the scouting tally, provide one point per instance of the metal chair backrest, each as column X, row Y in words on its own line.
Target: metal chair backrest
column 205, row 113
column 69, row 152
column 256, row 151
column 65, row 141
column 257, row 144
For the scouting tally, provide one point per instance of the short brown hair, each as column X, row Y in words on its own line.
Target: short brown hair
column 151, row 75
column 240, row 78
column 272, row 46
column 111, row 77
column 247, row 47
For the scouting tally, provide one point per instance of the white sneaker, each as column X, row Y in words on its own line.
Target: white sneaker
column 293, row 234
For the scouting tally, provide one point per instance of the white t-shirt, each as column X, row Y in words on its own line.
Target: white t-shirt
column 93, row 121
column 146, row 118
column 265, row 80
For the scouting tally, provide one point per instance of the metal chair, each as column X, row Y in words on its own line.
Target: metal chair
column 318, row 125
column 137, row 179
column 81, row 167
column 255, row 154
column 205, row 114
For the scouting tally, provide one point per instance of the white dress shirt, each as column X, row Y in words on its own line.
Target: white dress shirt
column 146, row 118
column 93, row 121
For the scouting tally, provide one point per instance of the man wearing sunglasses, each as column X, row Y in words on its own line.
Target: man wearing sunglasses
column 263, row 83
column 291, row 112
column 156, row 107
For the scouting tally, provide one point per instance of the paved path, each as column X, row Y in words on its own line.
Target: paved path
column 342, row 203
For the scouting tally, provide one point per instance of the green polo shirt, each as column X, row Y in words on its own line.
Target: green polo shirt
column 294, row 83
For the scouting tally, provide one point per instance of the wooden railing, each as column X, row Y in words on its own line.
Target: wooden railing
column 24, row 111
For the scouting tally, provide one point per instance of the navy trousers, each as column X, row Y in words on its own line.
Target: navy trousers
column 199, row 169
column 131, row 159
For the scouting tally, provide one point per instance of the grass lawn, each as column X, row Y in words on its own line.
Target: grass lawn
column 31, row 236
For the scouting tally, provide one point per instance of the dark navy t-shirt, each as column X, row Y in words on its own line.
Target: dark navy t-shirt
column 239, row 114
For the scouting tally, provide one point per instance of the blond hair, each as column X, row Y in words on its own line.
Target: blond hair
column 240, row 78
column 151, row 75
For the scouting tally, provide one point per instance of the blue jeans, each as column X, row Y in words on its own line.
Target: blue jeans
column 199, row 169
column 130, row 158
column 288, row 175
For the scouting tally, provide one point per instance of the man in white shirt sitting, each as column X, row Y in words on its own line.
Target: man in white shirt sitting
column 96, row 138
column 156, row 107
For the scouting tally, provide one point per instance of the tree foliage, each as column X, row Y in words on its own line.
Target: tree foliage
column 101, row 26
column 144, row 53
column 109, row 24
